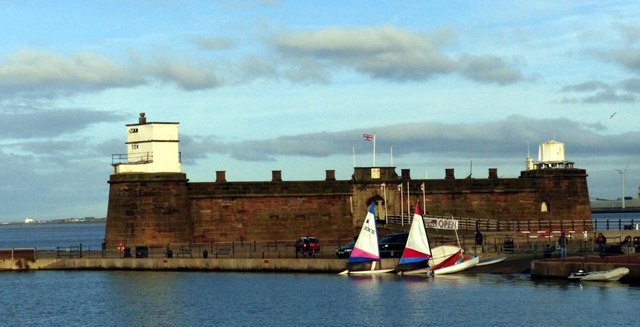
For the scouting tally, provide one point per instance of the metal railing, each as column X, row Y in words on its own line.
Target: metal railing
column 494, row 225
column 143, row 157
column 616, row 224
column 73, row 251
column 509, row 243
column 220, row 250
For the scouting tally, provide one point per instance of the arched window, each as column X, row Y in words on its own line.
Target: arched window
column 544, row 207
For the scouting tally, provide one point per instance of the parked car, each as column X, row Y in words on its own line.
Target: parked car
column 392, row 245
column 142, row 251
column 344, row 251
column 308, row 245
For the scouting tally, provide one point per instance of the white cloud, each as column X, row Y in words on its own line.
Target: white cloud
column 395, row 54
column 32, row 73
column 502, row 138
column 488, row 69
column 187, row 76
column 37, row 72
column 385, row 52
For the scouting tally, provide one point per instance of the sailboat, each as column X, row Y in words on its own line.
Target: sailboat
column 417, row 252
column 365, row 255
column 451, row 259
column 456, row 263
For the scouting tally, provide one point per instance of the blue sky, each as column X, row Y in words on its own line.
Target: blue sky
column 292, row 86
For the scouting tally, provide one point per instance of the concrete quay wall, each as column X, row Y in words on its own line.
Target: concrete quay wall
column 542, row 268
column 194, row 264
column 556, row 268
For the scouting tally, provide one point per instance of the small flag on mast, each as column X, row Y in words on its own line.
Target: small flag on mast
column 368, row 137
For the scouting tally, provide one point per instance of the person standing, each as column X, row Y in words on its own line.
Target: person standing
column 563, row 242
column 479, row 239
column 601, row 240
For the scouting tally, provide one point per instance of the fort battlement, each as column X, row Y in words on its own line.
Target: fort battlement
column 156, row 207
column 146, row 208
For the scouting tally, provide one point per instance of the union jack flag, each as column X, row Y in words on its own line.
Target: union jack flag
column 368, row 137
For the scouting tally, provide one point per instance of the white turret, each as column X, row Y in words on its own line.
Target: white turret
column 551, row 155
column 151, row 148
column 551, row 151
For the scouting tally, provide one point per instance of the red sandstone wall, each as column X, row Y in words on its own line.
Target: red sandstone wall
column 164, row 208
column 148, row 209
column 270, row 218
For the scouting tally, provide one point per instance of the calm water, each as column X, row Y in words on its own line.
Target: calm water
column 142, row 298
column 50, row 236
column 616, row 219
column 80, row 298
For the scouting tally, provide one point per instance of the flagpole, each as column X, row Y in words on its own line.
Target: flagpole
column 401, row 204
column 408, row 205
column 353, row 149
column 384, row 191
column 371, row 138
column 423, row 198
column 374, row 149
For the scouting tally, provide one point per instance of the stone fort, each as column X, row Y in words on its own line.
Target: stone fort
column 151, row 201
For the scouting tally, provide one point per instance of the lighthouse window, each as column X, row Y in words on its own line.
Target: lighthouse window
column 134, row 147
column 133, row 130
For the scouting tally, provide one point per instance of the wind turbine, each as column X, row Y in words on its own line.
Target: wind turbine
column 622, row 180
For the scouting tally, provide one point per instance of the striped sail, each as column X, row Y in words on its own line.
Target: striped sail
column 366, row 247
column 417, row 248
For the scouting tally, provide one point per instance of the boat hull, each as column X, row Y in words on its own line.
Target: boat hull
column 601, row 276
column 490, row 261
column 458, row 267
column 367, row 272
column 421, row 271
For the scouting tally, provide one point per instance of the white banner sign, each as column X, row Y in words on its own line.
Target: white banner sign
column 438, row 223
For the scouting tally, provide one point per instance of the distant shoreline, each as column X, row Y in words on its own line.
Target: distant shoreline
column 60, row 221
column 92, row 220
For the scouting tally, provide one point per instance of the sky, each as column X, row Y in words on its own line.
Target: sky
column 258, row 86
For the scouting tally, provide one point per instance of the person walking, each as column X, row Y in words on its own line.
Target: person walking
column 563, row 242
column 601, row 240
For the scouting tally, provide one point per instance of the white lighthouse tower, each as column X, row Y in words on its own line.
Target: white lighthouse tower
column 151, row 148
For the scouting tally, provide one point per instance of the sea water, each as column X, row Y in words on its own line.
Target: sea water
column 184, row 298
column 144, row 298
column 616, row 220
column 51, row 236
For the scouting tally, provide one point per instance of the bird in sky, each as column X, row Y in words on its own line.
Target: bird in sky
column 613, row 114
